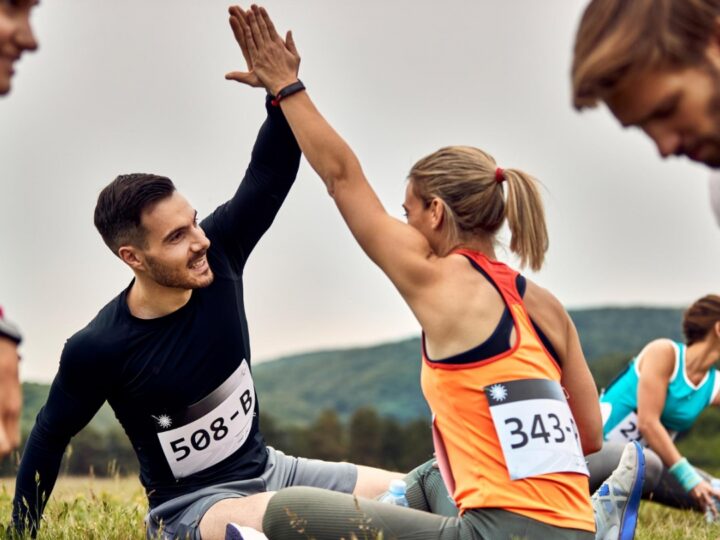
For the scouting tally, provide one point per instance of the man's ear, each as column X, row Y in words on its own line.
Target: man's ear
column 130, row 255
column 437, row 212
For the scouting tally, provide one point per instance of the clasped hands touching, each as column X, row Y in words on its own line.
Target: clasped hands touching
column 272, row 61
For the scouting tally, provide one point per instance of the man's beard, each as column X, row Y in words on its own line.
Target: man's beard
column 177, row 278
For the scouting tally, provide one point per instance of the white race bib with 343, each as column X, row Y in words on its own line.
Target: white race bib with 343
column 211, row 429
column 536, row 428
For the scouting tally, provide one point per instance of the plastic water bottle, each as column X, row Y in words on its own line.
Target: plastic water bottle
column 396, row 494
column 709, row 517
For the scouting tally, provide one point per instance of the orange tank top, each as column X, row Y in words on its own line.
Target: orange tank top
column 470, row 453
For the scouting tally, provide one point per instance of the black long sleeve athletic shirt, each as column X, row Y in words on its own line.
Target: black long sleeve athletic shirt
column 165, row 373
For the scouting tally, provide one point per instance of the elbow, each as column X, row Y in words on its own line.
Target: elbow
column 334, row 181
column 592, row 443
column 339, row 172
column 646, row 425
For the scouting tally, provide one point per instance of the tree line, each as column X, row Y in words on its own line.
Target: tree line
column 365, row 438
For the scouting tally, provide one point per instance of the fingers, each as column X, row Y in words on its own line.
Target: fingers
column 290, row 44
column 242, row 77
column 256, row 32
column 265, row 18
column 248, row 36
column 240, row 38
column 262, row 24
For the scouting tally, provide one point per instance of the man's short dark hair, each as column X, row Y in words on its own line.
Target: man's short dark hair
column 120, row 206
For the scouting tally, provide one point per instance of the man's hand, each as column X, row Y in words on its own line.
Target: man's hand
column 247, row 77
column 272, row 61
column 10, row 397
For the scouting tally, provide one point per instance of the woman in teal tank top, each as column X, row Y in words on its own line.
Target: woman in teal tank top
column 662, row 392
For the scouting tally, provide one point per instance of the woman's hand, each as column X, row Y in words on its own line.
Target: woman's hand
column 706, row 495
column 272, row 62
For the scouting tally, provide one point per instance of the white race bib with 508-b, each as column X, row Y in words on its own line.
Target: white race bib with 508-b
column 536, row 428
column 211, row 429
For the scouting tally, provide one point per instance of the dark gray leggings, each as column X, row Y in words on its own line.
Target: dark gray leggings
column 659, row 485
column 301, row 512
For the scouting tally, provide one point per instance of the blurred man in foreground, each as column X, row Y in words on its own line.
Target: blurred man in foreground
column 16, row 37
column 656, row 65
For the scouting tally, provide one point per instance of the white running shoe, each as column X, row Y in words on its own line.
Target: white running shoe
column 617, row 501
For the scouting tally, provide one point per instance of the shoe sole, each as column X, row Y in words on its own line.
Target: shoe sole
column 630, row 515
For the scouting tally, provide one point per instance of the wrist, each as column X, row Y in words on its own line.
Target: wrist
column 287, row 90
column 276, row 88
column 685, row 474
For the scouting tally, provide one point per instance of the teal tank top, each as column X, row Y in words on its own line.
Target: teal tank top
column 683, row 403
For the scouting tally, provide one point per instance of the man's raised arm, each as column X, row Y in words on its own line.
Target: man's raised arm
column 274, row 163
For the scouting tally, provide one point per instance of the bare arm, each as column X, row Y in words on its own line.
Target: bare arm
column 656, row 367
column 549, row 314
column 401, row 251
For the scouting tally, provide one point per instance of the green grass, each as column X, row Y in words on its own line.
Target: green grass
column 87, row 508
column 113, row 509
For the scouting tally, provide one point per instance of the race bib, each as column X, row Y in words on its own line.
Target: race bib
column 211, row 429
column 536, row 429
column 627, row 430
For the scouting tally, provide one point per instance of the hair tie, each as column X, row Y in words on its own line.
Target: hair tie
column 499, row 175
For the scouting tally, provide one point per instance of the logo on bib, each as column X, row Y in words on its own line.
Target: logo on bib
column 498, row 392
column 164, row 421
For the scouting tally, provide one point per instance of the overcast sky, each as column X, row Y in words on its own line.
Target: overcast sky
column 137, row 86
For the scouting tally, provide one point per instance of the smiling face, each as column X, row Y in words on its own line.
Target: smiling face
column 175, row 251
column 678, row 109
column 16, row 37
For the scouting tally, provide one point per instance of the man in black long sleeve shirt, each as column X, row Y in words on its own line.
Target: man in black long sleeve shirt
column 171, row 355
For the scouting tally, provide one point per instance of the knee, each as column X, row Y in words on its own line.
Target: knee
column 282, row 515
column 420, row 473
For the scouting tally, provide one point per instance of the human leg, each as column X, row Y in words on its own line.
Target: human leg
column 617, row 501
column 371, row 482
column 426, row 491
column 602, row 463
column 323, row 515
column 284, row 471
column 244, row 511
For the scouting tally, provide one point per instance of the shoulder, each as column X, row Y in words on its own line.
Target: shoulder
column 658, row 357
column 543, row 306
column 102, row 336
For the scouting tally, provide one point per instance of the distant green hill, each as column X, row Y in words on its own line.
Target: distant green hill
column 386, row 377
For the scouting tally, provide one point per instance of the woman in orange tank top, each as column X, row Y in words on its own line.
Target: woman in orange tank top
column 498, row 361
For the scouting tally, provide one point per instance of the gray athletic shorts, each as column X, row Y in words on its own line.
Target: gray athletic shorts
column 180, row 517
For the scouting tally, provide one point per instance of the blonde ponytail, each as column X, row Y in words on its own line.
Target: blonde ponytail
column 526, row 219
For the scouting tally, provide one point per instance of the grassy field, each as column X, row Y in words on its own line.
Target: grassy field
column 113, row 509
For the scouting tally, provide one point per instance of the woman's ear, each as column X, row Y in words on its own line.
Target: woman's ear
column 437, row 213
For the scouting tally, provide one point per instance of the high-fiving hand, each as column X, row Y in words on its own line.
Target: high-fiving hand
column 272, row 62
